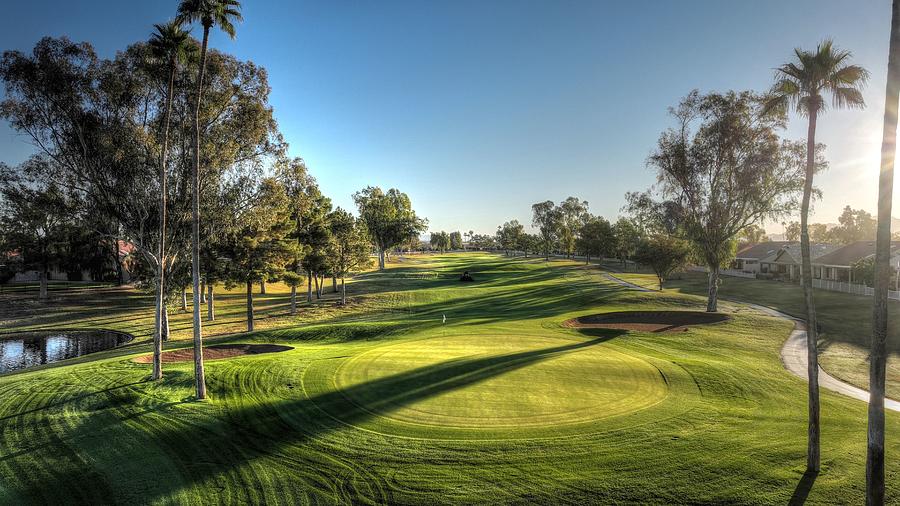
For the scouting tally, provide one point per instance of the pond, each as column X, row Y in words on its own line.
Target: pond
column 22, row 350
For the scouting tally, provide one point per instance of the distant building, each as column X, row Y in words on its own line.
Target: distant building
column 837, row 265
column 787, row 263
column 750, row 259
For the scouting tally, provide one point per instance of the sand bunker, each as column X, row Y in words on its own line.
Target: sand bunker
column 215, row 352
column 647, row 321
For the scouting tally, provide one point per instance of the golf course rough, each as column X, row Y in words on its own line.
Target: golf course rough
column 386, row 404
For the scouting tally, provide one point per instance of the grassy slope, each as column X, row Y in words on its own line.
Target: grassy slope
column 731, row 428
column 846, row 320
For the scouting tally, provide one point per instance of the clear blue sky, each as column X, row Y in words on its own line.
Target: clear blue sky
column 477, row 109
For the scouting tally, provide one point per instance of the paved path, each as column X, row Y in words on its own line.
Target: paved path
column 793, row 353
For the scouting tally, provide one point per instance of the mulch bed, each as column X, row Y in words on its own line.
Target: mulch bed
column 647, row 321
column 215, row 352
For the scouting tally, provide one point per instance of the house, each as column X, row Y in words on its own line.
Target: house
column 787, row 262
column 750, row 258
column 837, row 265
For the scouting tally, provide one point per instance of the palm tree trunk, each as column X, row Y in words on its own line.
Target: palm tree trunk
column 161, row 257
column 812, row 450
column 199, row 373
column 210, row 303
column 712, row 299
column 249, row 306
column 878, row 356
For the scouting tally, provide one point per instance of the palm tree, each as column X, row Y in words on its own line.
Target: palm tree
column 169, row 44
column 878, row 357
column 801, row 85
column 221, row 13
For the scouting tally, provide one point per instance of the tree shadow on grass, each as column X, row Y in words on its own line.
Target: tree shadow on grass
column 803, row 488
column 216, row 447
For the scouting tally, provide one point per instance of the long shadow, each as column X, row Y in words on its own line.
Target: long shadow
column 239, row 435
column 803, row 488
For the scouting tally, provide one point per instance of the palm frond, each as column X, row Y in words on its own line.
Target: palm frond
column 847, row 96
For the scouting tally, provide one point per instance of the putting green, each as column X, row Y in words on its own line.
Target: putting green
column 490, row 385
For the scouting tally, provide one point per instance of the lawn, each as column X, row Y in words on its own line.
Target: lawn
column 845, row 320
column 384, row 402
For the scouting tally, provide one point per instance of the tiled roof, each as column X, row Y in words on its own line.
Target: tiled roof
column 762, row 250
column 852, row 253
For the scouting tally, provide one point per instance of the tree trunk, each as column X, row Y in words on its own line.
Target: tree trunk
column 318, row 293
column 380, row 259
column 165, row 323
column 262, row 286
column 210, row 303
column 334, row 284
column 184, row 299
column 199, row 373
column 249, row 306
column 42, row 293
column 294, row 300
column 343, row 292
column 878, row 355
column 812, row 450
column 309, row 287
column 203, row 291
column 661, row 281
column 156, row 374
column 162, row 320
column 712, row 300
column 120, row 275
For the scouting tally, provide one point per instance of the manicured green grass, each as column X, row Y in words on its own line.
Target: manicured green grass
column 382, row 402
column 845, row 320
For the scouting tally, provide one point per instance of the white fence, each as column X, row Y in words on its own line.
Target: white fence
column 856, row 289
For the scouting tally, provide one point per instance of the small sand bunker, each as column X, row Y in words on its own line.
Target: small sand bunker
column 215, row 352
column 647, row 321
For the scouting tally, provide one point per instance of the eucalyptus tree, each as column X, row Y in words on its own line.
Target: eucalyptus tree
column 573, row 213
column 723, row 168
column 878, row 356
column 802, row 85
column 548, row 220
column 389, row 218
column 626, row 237
column 595, row 238
column 456, row 242
column 221, row 13
column 509, row 235
column 349, row 246
column 34, row 221
column 169, row 44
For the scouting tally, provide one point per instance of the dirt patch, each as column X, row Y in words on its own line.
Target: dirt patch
column 647, row 321
column 215, row 352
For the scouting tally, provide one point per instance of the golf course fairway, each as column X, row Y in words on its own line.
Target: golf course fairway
column 425, row 390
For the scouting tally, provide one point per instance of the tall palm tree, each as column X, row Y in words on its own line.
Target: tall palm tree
column 169, row 44
column 878, row 357
column 209, row 13
column 801, row 85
